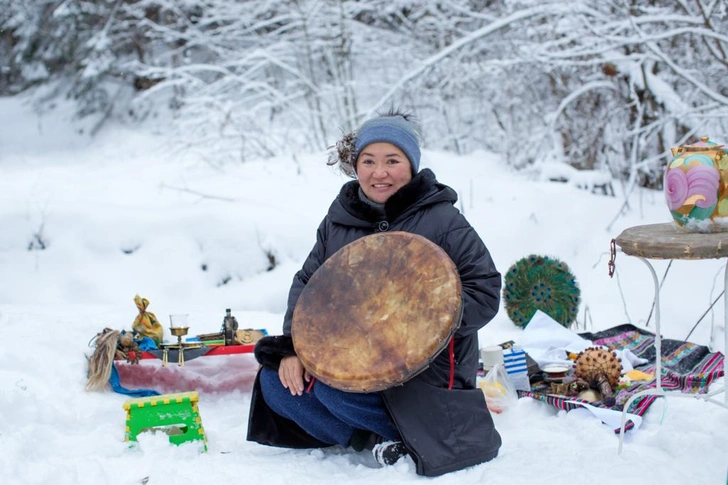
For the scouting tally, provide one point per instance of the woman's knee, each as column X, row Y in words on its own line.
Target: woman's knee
column 269, row 378
column 334, row 399
column 328, row 395
column 271, row 387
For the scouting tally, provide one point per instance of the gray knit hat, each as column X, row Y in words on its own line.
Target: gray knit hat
column 394, row 129
column 399, row 129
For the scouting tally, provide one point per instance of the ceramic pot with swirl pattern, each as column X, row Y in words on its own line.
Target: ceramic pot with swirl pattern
column 696, row 182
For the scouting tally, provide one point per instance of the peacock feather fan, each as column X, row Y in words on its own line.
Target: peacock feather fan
column 541, row 283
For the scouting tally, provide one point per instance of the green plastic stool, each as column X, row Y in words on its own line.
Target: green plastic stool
column 175, row 414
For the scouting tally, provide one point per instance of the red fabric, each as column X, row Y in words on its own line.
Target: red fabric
column 452, row 363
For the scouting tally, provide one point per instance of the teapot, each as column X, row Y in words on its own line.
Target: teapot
column 695, row 186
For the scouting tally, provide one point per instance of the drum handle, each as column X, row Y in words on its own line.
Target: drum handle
column 452, row 362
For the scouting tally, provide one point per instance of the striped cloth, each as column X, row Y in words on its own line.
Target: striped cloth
column 686, row 367
column 514, row 360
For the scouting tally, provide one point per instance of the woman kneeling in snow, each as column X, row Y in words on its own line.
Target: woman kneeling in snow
column 439, row 417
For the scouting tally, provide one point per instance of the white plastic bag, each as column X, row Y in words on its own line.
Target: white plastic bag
column 498, row 389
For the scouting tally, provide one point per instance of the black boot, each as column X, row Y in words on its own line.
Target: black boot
column 389, row 452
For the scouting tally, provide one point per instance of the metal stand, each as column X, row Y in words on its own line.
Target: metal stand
column 658, row 390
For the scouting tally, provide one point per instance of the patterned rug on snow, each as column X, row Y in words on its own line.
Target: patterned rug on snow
column 686, row 367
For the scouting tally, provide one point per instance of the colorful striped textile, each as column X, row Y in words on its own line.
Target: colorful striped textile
column 686, row 367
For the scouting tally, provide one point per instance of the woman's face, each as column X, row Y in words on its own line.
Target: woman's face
column 382, row 169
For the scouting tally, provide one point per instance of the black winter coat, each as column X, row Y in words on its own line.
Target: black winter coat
column 444, row 430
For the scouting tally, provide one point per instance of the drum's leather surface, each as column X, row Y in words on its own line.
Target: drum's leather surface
column 377, row 311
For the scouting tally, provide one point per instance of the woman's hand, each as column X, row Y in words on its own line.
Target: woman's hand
column 292, row 375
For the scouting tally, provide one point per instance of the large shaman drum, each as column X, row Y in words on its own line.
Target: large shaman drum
column 377, row 312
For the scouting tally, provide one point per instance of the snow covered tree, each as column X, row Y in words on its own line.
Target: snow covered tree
column 609, row 85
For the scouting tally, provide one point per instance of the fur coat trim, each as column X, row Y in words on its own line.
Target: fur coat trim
column 270, row 350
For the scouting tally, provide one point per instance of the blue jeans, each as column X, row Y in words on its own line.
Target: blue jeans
column 328, row 414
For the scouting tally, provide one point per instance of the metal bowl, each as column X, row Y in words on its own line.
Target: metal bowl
column 179, row 331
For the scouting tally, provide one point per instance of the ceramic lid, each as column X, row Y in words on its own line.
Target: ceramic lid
column 703, row 145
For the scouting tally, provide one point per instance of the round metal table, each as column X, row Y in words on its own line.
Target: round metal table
column 666, row 241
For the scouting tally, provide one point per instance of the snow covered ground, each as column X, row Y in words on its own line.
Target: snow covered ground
column 88, row 223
